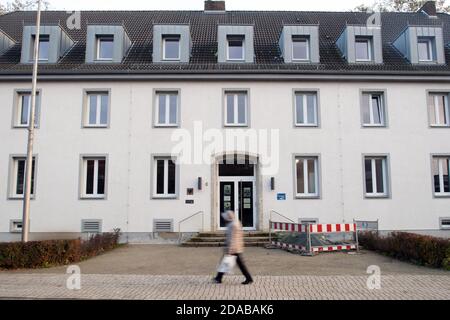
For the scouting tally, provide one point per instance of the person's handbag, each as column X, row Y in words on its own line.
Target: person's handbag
column 227, row 264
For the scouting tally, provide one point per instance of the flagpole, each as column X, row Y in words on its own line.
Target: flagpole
column 31, row 126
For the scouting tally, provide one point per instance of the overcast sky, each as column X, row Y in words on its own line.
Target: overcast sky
column 299, row 5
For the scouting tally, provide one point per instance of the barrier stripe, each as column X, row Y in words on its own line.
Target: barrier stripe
column 334, row 248
column 314, row 228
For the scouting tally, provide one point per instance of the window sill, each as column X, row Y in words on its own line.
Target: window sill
column 159, row 197
column 306, row 125
column 382, row 196
column 166, row 126
column 23, row 127
column 442, row 195
column 96, row 126
column 312, row 197
column 20, row 197
column 374, row 126
column 439, row 126
column 84, row 197
column 236, row 125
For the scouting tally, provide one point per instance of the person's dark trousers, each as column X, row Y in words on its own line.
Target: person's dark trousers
column 241, row 264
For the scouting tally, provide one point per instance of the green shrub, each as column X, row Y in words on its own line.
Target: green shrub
column 423, row 250
column 44, row 254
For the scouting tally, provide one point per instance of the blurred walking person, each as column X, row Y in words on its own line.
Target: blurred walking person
column 234, row 246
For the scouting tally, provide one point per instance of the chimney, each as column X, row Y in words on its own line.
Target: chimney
column 429, row 8
column 214, row 5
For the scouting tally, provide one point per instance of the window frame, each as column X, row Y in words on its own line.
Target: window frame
column 12, row 176
column 318, row 176
column 167, row 91
column 241, row 38
column 382, row 93
column 171, row 37
column 386, row 175
column 438, row 195
column 98, row 40
column 86, row 108
column 369, row 41
column 236, row 92
column 438, row 93
column 306, row 39
column 83, row 177
column 17, row 109
column 42, row 38
column 429, row 41
column 154, row 174
column 305, row 92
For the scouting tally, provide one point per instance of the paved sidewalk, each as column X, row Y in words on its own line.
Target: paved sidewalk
column 51, row 286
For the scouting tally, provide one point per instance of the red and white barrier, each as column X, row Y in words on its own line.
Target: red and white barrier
column 293, row 227
column 315, row 229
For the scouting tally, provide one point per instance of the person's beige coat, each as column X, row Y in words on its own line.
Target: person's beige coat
column 236, row 244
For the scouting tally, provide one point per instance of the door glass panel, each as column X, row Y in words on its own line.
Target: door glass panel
column 226, row 200
column 246, row 204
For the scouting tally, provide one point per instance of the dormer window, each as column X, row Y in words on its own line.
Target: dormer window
column 235, row 48
column 425, row 49
column 422, row 45
column 361, row 44
column 171, row 48
column 44, row 47
column 300, row 48
column 363, row 49
column 105, row 47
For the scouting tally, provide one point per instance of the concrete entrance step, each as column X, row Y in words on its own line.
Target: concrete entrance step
column 221, row 244
column 222, row 234
column 217, row 239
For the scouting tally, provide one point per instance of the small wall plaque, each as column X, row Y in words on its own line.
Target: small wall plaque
column 189, row 201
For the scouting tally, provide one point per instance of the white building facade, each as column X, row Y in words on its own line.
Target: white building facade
column 136, row 151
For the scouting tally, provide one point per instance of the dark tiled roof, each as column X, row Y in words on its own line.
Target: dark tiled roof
column 267, row 27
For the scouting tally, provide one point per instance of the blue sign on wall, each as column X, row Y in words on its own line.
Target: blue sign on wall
column 281, row 196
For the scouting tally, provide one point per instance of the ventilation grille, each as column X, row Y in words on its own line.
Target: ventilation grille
column 15, row 226
column 445, row 223
column 308, row 220
column 163, row 225
column 91, row 226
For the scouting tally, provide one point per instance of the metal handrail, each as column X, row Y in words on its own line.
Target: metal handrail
column 270, row 222
column 185, row 219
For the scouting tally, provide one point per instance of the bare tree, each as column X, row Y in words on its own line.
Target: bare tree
column 21, row 5
column 401, row 6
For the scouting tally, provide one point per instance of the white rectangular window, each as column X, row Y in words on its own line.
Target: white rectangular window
column 300, row 48
column 376, row 176
column 373, row 109
column 164, row 184
column 235, row 48
column 171, row 48
column 96, row 112
column 44, row 47
column 363, row 49
column 438, row 109
column 166, row 111
column 307, row 176
column 306, row 111
column 425, row 49
column 22, row 112
column 17, row 185
column 441, row 169
column 105, row 47
column 236, row 108
column 93, row 177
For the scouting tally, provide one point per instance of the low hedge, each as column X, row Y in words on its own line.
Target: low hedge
column 43, row 254
column 419, row 249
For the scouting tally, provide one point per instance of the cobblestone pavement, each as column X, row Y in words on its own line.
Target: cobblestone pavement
column 96, row 286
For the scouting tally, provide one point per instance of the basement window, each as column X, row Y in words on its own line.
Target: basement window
column 444, row 223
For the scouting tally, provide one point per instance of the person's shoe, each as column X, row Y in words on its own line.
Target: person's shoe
column 215, row 280
column 248, row 281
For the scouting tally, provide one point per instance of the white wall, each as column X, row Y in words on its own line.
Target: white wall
column 130, row 141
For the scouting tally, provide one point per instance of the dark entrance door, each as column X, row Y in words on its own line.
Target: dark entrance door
column 238, row 196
